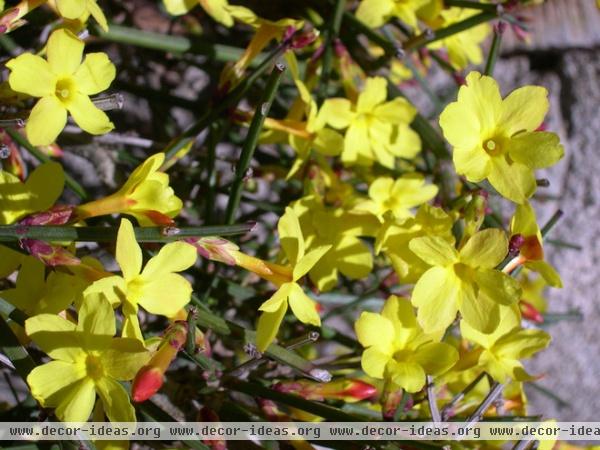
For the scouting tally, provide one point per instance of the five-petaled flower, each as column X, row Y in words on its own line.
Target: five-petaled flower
column 290, row 292
column 64, row 82
column 464, row 281
column 158, row 288
column 86, row 360
column 496, row 138
column 377, row 130
column 398, row 350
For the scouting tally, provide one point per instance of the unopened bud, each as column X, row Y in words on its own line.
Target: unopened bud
column 530, row 312
column 147, row 382
column 515, row 244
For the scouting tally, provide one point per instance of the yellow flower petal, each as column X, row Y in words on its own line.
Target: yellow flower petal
column 374, row 93
column 78, row 404
column 308, row 261
column 485, row 249
column 408, row 375
column 480, row 312
column 536, row 150
column 179, row 7
column 375, row 330
column 396, row 110
column 303, row 307
column 461, row 126
column 115, row 400
column 434, row 250
column 131, row 323
column 356, row 142
column 436, row 357
column 374, row 13
column 514, row 181
column 88, row 116
column 172, row 257
column 97, row 14
column 498, row 286
column 55, row 336
column 290, row 236
column 436, row 296
column 166, row 295
column 472, row 162
column 268, row 326
column 46, row 184
column 280, row 296
column 524, row 109
column 337, row 112
column 128, row 253
column 65, row 50
column 50, row 382
column 373, row 362
column 71, row 9
column 96, row 318
column 95, row 74
column 124, row 358
column 46, row 120
column 31, row 75
column 482, row 95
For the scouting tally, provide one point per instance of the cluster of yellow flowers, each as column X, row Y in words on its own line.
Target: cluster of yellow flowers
column 463, row 291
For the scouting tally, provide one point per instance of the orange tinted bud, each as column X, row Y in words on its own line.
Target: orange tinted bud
column 147, row 382
column 149, row 379
column 349, row 390
column 532, row 249
column 530, row 312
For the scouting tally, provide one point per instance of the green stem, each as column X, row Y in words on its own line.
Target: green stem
column 11, row 312
column 251, row 141
column 9, row 233
column 12, row 348
column 333, row 30
column 494, row 50
column 231, row 99
column 428, row 37
column 217, row 131
column 168, row 43
column 42, row 157
column 489, row 7
column 190, row 342
column 551, row 222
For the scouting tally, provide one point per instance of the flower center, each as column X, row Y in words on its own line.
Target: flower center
column 492, row 147
column 65, row 89
column 93, row 366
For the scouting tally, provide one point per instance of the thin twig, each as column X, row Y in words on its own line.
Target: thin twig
column 459, row 397
column 431, row 400
column 495, row 391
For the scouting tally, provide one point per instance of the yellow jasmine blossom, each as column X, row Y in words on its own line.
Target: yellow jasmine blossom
column 495, row 138
column 146, row 195
column 375, row 13
column 398, row 196
column 217, row 9
column 506, row 346
column 39, row 192
column 377, row 130
column 81, row 10
column 398, row 350
column 340, row 229
column 394, row 236
column 64, row 83
column 464, row 47
column 531, row 252
column 86, row 360
column 36, row 294
column 157, row 288
column 464, row 281
column 290, row 292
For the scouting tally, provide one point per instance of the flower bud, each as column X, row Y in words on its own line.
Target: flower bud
column 352, row 390
column 149, row 379
column 530, row 312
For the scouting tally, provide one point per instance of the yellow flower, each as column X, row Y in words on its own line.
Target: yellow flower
column 158, row 288
column 506, row 346
column 290, row 292
column 398, row 196
column 464, row 281
column 377, row 130
column 394, row 236
column 340, row 229
column 64, row 83
column 377, row 12
column 146, row 195
column 81, row 10
column 464, row 47
column 41, row 190
column 86, row 360
column 398, row 350
column 496, row 139
column 217, row 9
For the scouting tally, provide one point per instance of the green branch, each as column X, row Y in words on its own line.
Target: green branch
column 11, row 233
column 251, row 141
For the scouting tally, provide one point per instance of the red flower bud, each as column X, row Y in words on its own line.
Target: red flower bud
column 530, row 312
column 147, row 382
